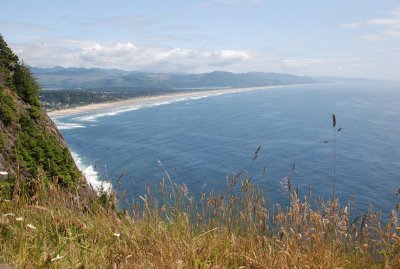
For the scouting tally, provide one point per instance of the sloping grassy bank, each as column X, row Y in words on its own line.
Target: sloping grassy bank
column 236, row 229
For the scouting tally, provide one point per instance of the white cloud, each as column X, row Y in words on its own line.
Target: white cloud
column 352, row 25
column 392, row 22
column 393, row 33
column 301, row 63
column 128, row 56
column 373, row 37
column 379, row 28
column 314, row 63
column 325, row 66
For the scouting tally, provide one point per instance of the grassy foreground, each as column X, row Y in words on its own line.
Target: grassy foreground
column 236, row 229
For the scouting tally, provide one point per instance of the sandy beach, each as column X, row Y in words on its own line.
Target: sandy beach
column 148, row 100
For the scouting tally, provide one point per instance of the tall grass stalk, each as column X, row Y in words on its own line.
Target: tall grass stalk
column 335, row 133
column 334, row 156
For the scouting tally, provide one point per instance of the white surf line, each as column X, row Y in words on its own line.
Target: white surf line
column 92, row 176
column 154, row 100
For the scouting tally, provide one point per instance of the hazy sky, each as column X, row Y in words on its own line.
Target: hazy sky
column 359, row 38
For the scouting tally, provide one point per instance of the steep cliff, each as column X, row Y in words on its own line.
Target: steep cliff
column 31, row 146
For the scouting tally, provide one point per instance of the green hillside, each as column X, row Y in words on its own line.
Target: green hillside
column 30, row 143
column 97, row 79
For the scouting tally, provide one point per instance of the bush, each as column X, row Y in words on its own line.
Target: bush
column 26, row 86
column 3, row 141
column 41, row 151
column 6, row 114
column 7, row 108
column 6, row 187
column 35, row 112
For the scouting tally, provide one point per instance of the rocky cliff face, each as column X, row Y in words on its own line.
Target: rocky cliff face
column 31, row 146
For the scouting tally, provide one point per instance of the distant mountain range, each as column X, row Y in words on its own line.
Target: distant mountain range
column 97, row 79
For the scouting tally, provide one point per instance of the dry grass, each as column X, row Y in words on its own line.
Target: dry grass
column 236, row 229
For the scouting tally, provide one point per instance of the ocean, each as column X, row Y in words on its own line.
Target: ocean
column 202, row 141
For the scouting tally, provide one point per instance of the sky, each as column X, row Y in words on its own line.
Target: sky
column 346, row 38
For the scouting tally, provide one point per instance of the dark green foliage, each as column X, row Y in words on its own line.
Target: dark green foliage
column 17, row 75
column 6, row 114
column 7, row 55
column 3, row 141
column 35, row 112
column 8, row 61
column 40, row 151
column 25, row 84
column 7, row 108
column 6, row 187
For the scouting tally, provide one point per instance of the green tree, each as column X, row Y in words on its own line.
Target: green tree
column 8, row 62
column 26, row 86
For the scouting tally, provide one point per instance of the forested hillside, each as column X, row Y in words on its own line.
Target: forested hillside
column 30, row 144
column 111, row 79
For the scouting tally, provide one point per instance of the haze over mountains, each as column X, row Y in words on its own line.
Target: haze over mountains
column 95, row 78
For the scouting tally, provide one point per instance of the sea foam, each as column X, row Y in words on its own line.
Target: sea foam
column 92, row 117
column 92, row 176
column 67, row 126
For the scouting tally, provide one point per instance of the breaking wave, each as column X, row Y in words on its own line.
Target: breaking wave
column 92, row 176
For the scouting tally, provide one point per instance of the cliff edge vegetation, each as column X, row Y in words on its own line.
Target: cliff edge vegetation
column 30, row 144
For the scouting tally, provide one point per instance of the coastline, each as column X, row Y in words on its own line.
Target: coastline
column 91, row 176
column 152, row 100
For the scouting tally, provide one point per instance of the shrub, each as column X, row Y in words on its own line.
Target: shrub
column 39, row 150
column 3, row 141
column 26, row 86
column 7, row 108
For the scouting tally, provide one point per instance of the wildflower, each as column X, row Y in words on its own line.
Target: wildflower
column 19, row 218
column 393, row 217
column 185, row 189
column 299, row 236
column 58, row 257
column 3, row 173
column 30, row 226
column 180, row 264
column 284, row 184
column 117, row 235
column 325, row 221
column 163, row 209
column 342, row 226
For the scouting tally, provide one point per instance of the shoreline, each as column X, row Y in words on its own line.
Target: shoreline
column 89, row 173
column 152, row 100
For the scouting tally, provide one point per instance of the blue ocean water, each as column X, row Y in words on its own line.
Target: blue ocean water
column 202, row 141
